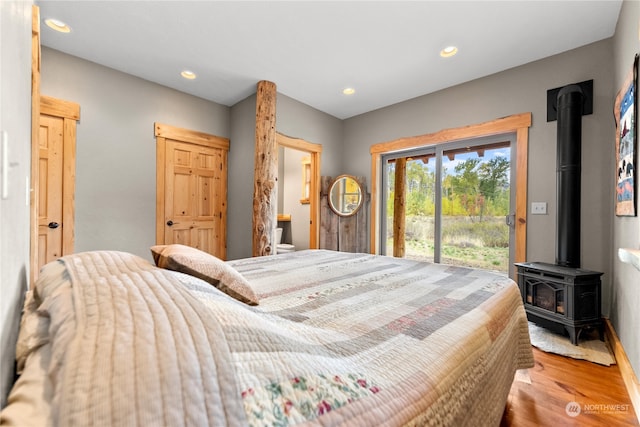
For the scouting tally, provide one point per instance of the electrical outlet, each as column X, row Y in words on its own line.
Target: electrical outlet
column 538, row 208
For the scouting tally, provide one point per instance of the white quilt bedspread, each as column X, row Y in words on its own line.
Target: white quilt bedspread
column 337, row 339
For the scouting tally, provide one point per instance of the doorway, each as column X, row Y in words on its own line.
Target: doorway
column 517, row 124
column 191, row 189
column 455, row 201
column 293, row 197
column 313, row 151
column 53, row 181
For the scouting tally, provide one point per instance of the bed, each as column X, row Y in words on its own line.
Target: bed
column 312, row 337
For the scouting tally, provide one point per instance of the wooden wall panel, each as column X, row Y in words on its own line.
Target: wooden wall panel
column 340, row 233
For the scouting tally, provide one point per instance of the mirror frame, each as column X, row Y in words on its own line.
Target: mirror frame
column 333, row 185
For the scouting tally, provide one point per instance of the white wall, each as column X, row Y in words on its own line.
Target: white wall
column 116, row 147
column 625, row 290
column 15, row 120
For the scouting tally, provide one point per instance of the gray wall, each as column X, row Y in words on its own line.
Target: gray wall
column 116, row 148
column 115, row 200
column 522, row 89
column 625, row 289
column 299, row 120
column 240, row 178
column 291, row 195
column 115, row 173
column 15, row 120
column 294, row 119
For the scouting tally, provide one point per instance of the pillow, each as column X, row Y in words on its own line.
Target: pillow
column 156, row 251
column 207, row 267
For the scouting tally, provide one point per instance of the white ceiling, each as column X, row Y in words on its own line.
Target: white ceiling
column 387, row 50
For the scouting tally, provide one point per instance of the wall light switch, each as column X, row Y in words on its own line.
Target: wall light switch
column 538, row 208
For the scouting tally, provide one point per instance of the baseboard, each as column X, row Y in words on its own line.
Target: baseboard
column 626, row 370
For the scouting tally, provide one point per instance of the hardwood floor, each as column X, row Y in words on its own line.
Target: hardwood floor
column 539, row 396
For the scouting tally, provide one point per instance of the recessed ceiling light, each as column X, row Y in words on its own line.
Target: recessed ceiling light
column 349, row 91
column 448, row 51
column 57, row 25
column 188, row 74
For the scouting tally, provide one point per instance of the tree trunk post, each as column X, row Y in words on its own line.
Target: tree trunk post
column 265, row 189
column 399, row 209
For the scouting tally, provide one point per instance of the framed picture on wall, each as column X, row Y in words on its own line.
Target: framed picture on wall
column 625, row 113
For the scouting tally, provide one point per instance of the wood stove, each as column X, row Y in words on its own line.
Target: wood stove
column 562, row 295
column 559, row 297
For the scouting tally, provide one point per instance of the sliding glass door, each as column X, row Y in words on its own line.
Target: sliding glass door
column 454, row 206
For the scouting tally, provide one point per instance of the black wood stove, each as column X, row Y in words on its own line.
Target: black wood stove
column 559, row 297
column 562, row 296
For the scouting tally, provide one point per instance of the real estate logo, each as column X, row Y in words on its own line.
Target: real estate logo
column 573, row 409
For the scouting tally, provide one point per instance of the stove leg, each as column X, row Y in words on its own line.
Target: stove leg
column 601, row 330
column 573, row 334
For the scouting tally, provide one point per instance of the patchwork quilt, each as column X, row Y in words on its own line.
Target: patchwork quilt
column 337, row 339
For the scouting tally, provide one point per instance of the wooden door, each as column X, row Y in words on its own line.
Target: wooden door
column 50, row 224
column 54, row 180
column 192, row 189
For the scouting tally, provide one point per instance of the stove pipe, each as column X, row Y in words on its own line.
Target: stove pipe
column 569, row 152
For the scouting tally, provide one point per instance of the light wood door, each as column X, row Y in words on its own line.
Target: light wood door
column 50, row 224
column 192, row 190
column 35, row 144
column 53, row 181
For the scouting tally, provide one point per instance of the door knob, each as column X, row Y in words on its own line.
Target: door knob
column 53, row 225
column 169, row 223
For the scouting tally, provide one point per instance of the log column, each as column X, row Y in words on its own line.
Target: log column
column 265, row 196
column 399, row 209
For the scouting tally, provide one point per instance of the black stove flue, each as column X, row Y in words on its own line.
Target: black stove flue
column 564, row 296
column 568, row 172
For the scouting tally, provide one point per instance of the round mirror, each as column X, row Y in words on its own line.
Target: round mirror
column 345, row 195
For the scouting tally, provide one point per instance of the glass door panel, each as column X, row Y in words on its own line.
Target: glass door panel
column 419, row 206
column 475, row 202
column 456, row 199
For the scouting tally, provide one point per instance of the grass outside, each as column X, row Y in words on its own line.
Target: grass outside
column 465, row 243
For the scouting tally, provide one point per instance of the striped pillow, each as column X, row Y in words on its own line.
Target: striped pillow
column 207, row 267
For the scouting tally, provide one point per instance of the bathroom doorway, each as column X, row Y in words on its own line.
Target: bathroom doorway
column 298, row 191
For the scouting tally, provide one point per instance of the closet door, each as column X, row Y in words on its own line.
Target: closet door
column 54, row 180
column 50, row 224
column 192, row 189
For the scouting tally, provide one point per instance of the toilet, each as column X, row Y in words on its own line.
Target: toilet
column 282, row 248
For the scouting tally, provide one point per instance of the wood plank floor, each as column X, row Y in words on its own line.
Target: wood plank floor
column 539, row 396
